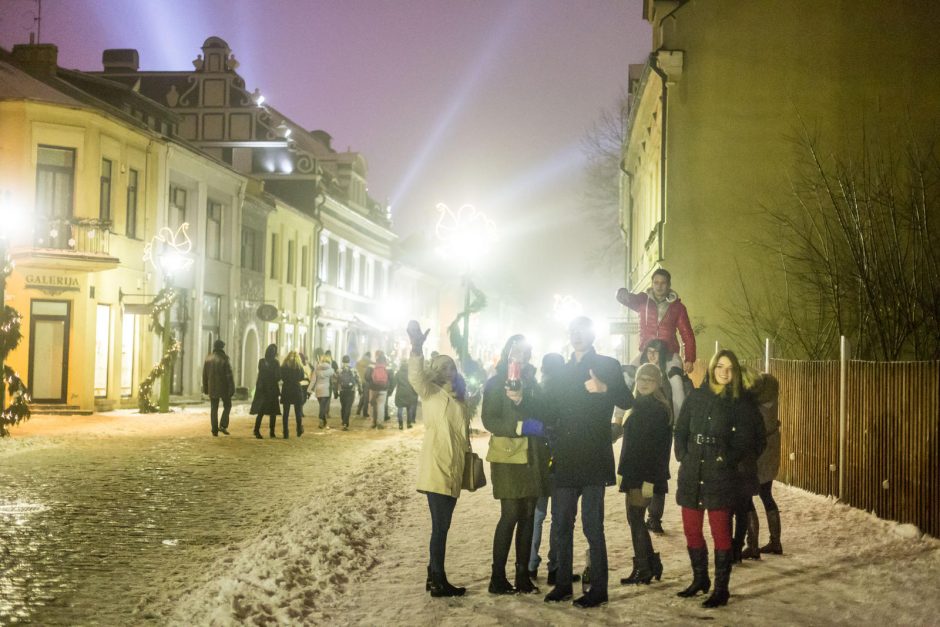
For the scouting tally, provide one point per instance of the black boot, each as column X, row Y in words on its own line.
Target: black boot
column 773, row 525
column 558, row 593
column 592, row 598
column 642, row 573
column 498, row 582
column 258, row 434
column 553, row 575
column 752, row 552
column 720, row 594
column 440, row 587
column 427, row 584
column 700, row 580
column 656, row 565
column 524, row 585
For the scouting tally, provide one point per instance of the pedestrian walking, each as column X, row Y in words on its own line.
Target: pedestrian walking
column 443, row 450
column 266, row 401
column 644, row 467
column 363, row 364
column 583, row 401
column 766, row 391
column 379, row 380
column 406, row 399
column 292, row 391
column 219, row 384
column 518, row 461
column 308, row 373
column 713, row 434
column 322, row 386
column 347, row 384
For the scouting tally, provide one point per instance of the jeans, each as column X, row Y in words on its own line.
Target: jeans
column 324, row 408
column 378, row 406
column 345, row 405
column 564, row 510
column 442, row 510
column 214, row 412
column 541, row 511
column 412, row 413
column 298, row 411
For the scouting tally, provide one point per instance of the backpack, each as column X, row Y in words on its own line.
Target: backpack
column 380, row 376
column 347, row 379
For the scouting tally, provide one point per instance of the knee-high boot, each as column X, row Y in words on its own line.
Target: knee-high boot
column 752, row 552
column 773, row 525
column 720, row 594
column 700, row 580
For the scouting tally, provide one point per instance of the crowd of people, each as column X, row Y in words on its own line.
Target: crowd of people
column 551, row 442
column 287, row 385
column 551, row 445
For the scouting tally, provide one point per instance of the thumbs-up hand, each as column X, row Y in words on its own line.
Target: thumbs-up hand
column 594, row 385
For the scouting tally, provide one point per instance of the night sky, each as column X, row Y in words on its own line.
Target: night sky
column 483, row 102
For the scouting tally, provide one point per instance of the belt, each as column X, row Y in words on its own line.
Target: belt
column 705, row 439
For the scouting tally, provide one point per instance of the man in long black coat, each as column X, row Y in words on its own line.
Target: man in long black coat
column 580, row 404
column 219, row 384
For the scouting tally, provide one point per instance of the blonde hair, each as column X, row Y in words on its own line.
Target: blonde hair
column 325, row 359
column 293, row 361
column 652, row 371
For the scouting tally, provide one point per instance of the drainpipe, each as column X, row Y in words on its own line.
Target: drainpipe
column 654, row 65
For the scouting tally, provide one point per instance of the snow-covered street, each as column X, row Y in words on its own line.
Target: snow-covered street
column 124, row 519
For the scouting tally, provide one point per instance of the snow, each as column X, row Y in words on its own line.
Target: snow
column 355, row 553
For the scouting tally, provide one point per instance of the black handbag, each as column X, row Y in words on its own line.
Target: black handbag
column 473, row 476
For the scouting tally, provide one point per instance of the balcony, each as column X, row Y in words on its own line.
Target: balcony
column 78, row 244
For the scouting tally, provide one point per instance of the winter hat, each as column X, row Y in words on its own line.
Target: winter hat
column 218, row 345
column 650, row 371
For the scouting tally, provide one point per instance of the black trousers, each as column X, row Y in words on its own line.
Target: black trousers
column 442, row 510
column 363, row 408
column 345, row 405
column 299, row 413
column 214, row 412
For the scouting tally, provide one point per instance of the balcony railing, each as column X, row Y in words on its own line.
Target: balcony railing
column 81, row 235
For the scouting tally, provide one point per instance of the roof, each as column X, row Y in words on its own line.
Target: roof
column 15, row 84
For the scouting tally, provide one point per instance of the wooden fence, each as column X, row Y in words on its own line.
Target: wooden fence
column 890, row 440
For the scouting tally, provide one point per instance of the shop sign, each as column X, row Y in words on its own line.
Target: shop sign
column 52, row 284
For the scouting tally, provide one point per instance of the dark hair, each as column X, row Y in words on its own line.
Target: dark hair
column 502, row 366
column 552, row 365
column 271, row 352
column 345, row 359
column 664, row 353
column 663, row 273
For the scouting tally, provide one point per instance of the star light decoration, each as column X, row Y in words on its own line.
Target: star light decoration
column 465, row 234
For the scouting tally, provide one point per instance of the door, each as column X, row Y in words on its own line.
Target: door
column 49, row 350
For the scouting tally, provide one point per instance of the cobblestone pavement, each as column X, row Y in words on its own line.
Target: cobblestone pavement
column 90, row 519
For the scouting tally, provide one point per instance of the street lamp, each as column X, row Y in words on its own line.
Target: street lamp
column 465, row 236
column 168, row 251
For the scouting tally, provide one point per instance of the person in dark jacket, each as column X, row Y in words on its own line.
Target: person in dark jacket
column 406, row 399
column 582, row 401
column 714, row 432
column 219, row 384
column 657, row 353
column 347, row 384
column 745, row 515
column 292, row 391
column 522, row 477
column 766, row 391
column 644, row 467
column 266, row 401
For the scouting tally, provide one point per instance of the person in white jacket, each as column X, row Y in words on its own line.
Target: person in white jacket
column 446, row 440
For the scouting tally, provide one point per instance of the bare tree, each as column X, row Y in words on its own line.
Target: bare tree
column 856, row 245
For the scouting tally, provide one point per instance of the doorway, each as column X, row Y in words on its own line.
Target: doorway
column 49, row 323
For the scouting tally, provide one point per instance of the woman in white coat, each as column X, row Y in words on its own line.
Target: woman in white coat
column 440, row 465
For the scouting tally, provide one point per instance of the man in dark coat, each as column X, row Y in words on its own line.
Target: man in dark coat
column 582, row 400
column 218, row 383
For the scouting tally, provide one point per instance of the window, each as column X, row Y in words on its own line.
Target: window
column 102, row 344
column 370, row 277
column 304, row 270
column 324, row 258
column 290, row 261
column 274, row 256
column 131, row 225
column 129, row 333
column 354, row 278
column 251, row 249
column 214, row 230
column 177, row 207
column 55, row 178
column 341, row 267
column 104, row 200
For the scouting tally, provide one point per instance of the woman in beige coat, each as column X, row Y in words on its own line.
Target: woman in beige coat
column 440, row 465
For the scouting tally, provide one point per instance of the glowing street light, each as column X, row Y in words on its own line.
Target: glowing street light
column 566, row 308
column 13, row 224
column 466, row 236
column 168, row 251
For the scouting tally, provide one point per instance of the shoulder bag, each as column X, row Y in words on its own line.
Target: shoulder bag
column 506, row 450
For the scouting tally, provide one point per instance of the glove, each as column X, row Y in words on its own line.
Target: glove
column 417, row 336
column 531, row 426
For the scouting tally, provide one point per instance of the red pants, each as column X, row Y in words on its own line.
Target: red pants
column 719, row 521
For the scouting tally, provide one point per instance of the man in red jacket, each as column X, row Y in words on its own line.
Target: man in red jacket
column 662, row 316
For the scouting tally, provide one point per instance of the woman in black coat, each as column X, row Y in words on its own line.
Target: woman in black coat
column 292, row 391
column 267, row 396
column 644, row 467
column 714, row 433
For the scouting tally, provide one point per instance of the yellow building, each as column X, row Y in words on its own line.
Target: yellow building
column 79, row 184
column 713, row 115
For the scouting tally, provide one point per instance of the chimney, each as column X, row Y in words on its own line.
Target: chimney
column 324, row 138
column 39, row 59
column 120, row 60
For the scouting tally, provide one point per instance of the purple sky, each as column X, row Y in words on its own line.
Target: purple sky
column 456, row 101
